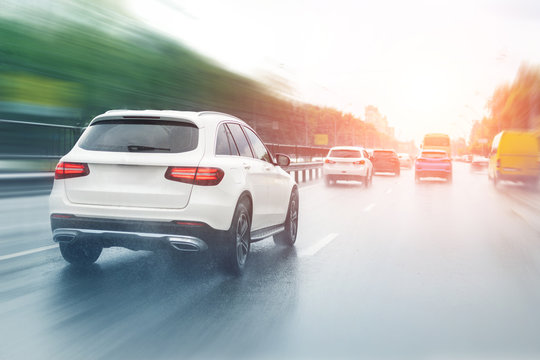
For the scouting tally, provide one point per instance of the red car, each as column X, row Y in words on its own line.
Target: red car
column 385, row 161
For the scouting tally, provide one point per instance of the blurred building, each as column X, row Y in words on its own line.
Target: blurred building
column 380, row 122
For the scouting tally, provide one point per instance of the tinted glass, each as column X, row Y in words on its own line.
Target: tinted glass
column 234, row 149
column 345, row 153
column 240, row 140
column 140, row 136
column 258, row 147
column 379, row 153
column 434, row 155
column 224, row 143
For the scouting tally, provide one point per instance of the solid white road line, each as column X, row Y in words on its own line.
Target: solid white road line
column 28, row 252
column 313, row 249
column 389, row 190
column 369, row 207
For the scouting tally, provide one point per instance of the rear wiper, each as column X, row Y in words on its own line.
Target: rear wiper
column 134, row 148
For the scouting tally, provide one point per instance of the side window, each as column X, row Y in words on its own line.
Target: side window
column 234, row 149
column 240, row 140
column 258, row 147
column 224, row 143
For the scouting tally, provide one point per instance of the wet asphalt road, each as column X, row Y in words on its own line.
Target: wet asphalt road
column 399, row 270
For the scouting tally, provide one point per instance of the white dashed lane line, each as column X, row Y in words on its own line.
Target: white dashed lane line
column 315, row 248
column 28, row 252
column 389, row 190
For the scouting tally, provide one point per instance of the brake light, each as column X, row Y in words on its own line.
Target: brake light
column 195, row 175
column 66, row 170
column 328, row 161
column 359, row 162
column 498, row 163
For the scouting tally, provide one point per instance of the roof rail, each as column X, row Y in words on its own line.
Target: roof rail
column 113, row 110
column 217, row 113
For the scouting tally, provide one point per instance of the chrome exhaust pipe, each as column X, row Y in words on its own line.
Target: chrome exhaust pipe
column 65, row 236
column 187, row 244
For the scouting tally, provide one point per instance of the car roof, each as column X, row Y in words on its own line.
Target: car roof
column 434, row 151
column 387, row 150
column 200, row 119
column 346, row 148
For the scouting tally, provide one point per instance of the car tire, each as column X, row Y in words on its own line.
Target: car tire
column 82, row 253
column 235, row 253
column 288, row 236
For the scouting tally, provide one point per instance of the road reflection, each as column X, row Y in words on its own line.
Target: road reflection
column 187, row 307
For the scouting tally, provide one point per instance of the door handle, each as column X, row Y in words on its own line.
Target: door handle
column 267, row 168
column 246, row 166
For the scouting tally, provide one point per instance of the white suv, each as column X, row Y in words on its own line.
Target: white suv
column 148, row 180
column 347, row 163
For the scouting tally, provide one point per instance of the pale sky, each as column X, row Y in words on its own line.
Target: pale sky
column 427, row 65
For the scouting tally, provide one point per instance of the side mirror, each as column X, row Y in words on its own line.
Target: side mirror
column 283, row 160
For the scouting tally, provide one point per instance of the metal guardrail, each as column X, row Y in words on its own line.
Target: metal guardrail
column 33, row 148
column 305, row 171
column 299, row 153
column 302, row 172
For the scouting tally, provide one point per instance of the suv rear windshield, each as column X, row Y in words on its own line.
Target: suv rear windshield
column 345, row 153
column 383, row 153
column 140, row 136
column 434, row 155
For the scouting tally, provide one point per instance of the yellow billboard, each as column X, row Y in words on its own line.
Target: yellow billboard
column 321, row 139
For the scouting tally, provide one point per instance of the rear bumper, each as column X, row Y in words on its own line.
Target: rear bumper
column 345, row 177
column 518, row 177
column 136, row 235
column 386, row 167
column 441, row 173
column 344, row 172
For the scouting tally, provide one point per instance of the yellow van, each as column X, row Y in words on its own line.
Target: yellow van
column 515, row 156
column 437, row 142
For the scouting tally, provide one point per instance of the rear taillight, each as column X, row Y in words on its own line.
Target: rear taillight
column 195, row 175
column 328, row 161
column 498, row 163
column 66, row 170
column 359, row 162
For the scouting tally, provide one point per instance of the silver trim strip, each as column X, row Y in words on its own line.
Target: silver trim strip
column 196, row 243
column 264, row 235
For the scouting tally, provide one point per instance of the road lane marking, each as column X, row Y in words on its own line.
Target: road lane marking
column 28, row 252
column 313, row 249
column 369, row 207
column 389, row 190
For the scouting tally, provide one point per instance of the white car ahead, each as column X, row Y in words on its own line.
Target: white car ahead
column 149, row 180
column 347, row 163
